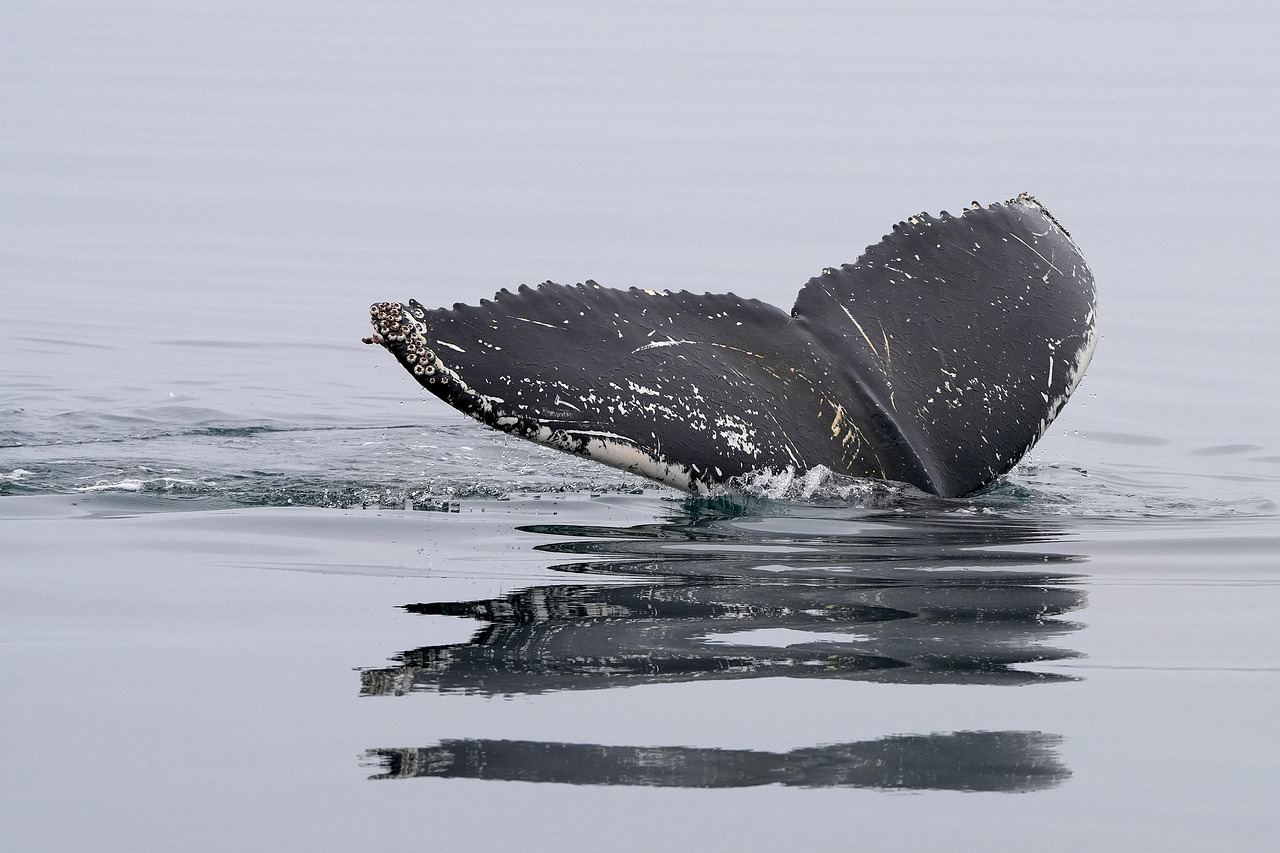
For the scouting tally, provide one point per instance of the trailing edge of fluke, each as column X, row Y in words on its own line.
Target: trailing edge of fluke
column 938, row 359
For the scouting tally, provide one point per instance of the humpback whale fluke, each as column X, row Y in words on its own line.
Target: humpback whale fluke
column 938, row 359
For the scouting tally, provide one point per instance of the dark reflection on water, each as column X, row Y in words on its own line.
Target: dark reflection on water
column 936, row 630
column 959, row 761
column 800, row 592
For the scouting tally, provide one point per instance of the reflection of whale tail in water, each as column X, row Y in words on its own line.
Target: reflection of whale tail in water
column 937, row 359
column 813, row 593
column 603, row 636
column 959, row 761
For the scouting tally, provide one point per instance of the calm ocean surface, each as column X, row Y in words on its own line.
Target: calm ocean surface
column 260, row 592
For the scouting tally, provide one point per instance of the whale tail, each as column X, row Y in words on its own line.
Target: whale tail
column 938, row 359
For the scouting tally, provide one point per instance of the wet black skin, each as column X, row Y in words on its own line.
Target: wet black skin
column 937, row 359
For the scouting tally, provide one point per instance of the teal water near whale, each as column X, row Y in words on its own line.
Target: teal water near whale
column 258, row 591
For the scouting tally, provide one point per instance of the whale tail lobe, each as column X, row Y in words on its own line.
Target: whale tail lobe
column 938, row 358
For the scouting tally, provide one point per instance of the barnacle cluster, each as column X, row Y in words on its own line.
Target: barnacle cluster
column 403, row 333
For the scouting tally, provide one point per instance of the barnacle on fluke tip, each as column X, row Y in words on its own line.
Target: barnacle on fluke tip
column 938, row 359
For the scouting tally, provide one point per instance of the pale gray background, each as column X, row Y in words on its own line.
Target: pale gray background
column 198, row 201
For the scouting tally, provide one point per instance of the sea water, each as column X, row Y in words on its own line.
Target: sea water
column 259, row 591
